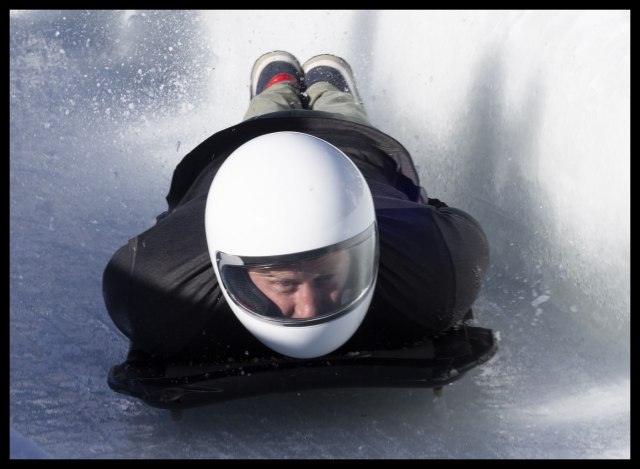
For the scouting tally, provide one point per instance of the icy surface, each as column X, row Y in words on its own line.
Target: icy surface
column 521, row 118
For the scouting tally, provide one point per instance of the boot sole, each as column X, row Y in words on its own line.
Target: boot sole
column 333, row 61
column 265, row 60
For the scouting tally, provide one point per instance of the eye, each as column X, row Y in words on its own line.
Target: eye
column 285, row 283
column 284, row 286
column 325, row 280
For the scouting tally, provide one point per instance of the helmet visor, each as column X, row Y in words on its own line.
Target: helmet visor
column 303, row 288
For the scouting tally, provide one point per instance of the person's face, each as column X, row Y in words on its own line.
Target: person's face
column 309, row 288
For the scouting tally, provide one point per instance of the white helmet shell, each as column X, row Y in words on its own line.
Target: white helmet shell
column 283, row 201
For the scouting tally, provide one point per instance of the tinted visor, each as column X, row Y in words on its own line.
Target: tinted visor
column 303, row 288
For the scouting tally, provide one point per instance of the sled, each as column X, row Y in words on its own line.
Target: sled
column 431, row 363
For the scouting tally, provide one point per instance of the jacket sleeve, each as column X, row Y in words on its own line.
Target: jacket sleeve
column 160, row 288
column 433, row 260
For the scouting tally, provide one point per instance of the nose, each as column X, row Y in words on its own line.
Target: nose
column 307, row 300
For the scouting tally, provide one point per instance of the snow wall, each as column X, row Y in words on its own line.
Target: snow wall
column 522, row 118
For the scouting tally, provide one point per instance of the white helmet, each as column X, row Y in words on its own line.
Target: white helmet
column 291, row 231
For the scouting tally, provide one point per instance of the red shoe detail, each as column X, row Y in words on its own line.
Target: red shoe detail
column 280, row 78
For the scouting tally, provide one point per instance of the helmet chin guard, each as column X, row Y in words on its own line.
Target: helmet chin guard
column 291, row 231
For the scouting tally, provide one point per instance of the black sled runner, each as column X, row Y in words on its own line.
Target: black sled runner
column 432, row 363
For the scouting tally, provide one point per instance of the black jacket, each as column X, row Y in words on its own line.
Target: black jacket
column 161, row 291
